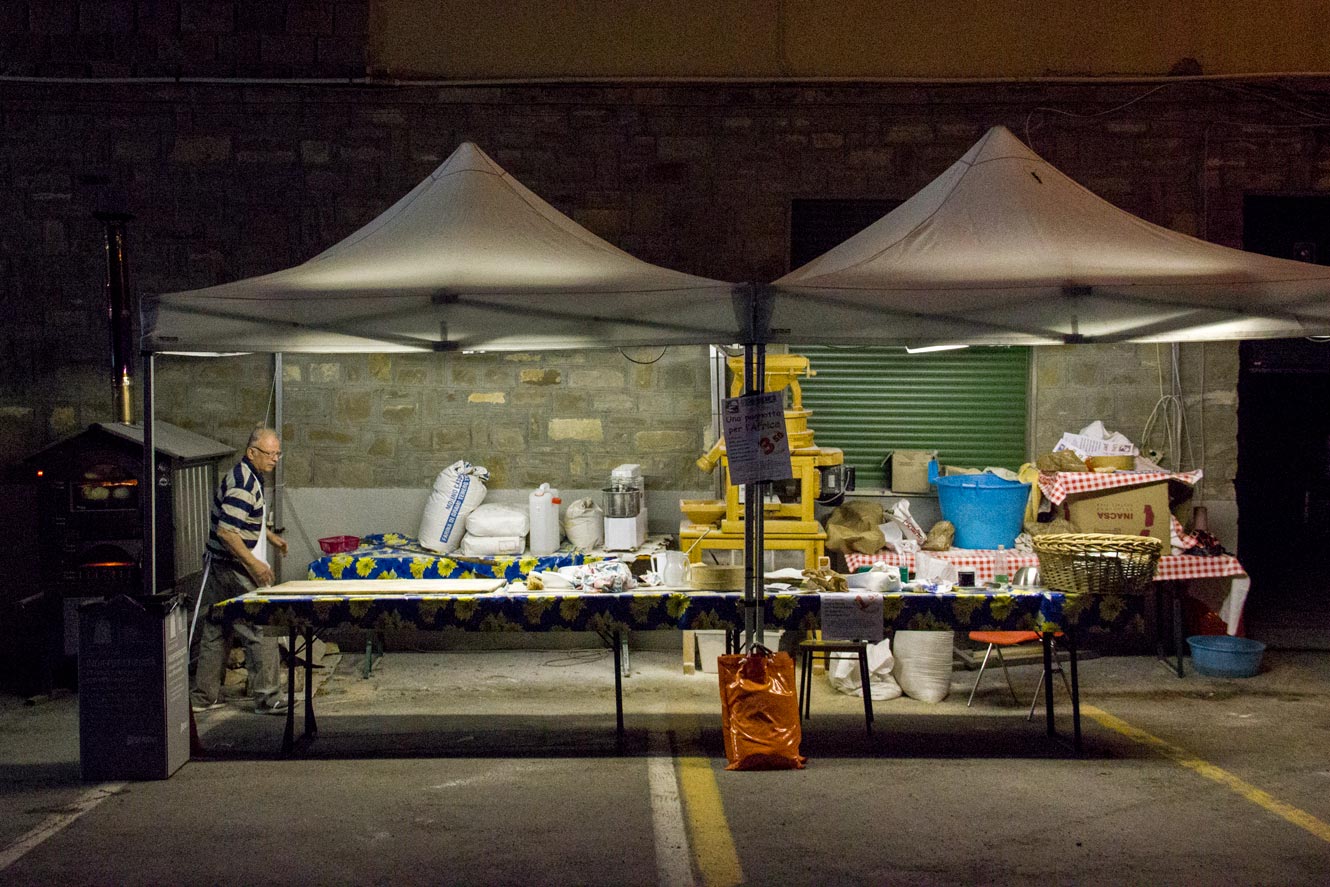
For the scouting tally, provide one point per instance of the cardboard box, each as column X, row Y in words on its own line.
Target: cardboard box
column 906, row 471
column 1127, row 511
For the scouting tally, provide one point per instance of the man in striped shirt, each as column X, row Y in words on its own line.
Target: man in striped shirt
column 238, row 548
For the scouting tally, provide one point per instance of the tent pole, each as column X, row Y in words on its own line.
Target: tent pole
column 279, row 473
column 759, row 524
column 148, row 492
column 755, row 356
column 750, row 540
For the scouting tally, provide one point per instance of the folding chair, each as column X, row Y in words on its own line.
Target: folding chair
column 996, row 640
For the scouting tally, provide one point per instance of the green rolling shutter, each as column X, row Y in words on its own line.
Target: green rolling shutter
column 969, row 405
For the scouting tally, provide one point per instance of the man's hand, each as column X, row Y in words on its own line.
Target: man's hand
column 260, row 572
column 277, row 542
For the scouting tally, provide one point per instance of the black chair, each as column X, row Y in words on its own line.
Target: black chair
column 831, row 650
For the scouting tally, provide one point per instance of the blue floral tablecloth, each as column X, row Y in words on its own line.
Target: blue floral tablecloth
column 395, row 556
column 652, row 610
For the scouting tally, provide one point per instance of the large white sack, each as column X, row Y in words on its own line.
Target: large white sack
column 923, row 664
column 844, row 673
column 458, row 490
column 486, row 546
column 584, row 524
column 498, row 520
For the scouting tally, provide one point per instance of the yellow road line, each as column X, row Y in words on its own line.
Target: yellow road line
column 1301, row 818
column 713, row 845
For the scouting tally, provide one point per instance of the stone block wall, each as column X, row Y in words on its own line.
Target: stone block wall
column 396, row 420
column 1125, row 385
column 230, row 180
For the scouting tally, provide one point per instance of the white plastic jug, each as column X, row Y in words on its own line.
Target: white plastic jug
column 544, row 507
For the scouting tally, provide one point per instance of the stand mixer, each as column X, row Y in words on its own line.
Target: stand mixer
column 625, row 509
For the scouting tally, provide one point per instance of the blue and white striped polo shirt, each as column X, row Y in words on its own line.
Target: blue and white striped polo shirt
column 238, row 507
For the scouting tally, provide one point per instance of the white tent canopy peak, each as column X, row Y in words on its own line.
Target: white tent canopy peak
column 469, row 258
column 1003, row 248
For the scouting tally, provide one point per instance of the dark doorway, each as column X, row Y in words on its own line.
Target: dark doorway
column 1283, row 482
column 818, row 225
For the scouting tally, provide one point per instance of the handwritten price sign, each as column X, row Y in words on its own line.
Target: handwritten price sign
column 755, row 441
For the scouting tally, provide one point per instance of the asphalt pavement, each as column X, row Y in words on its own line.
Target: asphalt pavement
column 502, row 767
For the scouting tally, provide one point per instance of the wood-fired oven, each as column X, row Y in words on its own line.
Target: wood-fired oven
column 90, row 511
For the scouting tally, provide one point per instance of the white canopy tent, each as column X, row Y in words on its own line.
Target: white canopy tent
column 469, row 259
column 1003, row 249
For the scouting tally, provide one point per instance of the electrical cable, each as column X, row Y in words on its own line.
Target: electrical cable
column 656, row 359
column 1170, row 410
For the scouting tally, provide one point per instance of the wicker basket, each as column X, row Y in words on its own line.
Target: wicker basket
column 1097, row 563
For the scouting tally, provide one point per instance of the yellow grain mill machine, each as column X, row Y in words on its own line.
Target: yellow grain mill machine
column 820, row 475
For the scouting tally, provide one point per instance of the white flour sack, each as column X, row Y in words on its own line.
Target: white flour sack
column 458, row 490
column 489, row 546
column 584, row 524
column 498, row 520
column 923, row 664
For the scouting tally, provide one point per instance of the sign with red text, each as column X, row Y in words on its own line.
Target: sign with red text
column 756, row 444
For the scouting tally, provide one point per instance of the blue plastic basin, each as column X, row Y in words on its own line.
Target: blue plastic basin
column 987, row 510
column 1223, row 656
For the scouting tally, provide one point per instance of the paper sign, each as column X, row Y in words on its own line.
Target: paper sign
column 1085, row 447
column 756, row 444
column 853, row 617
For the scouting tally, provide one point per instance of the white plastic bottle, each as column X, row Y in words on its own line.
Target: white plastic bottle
column 1001, row 574
column 544, row 509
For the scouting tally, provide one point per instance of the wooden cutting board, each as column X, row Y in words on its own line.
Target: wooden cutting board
column 385, row 586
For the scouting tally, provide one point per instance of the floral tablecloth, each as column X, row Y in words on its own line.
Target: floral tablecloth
column 652, row 610
column 396, row 556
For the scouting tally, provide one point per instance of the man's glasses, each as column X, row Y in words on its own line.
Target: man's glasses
column 271, row 454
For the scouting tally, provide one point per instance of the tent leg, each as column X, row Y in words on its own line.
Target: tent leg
column 148, row 500
column 755, row 358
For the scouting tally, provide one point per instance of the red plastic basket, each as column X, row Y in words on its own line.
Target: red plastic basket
column 339, row 544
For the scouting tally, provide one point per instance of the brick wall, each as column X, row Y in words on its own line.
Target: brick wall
column 184, row 38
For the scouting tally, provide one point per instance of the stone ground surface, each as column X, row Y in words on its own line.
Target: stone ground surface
column 502, row 767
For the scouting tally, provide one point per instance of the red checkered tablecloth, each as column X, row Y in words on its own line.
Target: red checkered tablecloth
column 1058, row 485
column 1171, row 567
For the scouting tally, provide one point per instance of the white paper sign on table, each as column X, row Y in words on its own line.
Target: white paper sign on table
column 854, row 616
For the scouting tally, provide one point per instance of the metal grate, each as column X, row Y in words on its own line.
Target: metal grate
column 192, row 500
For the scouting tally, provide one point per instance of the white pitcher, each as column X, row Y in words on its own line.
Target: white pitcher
column 672, row 566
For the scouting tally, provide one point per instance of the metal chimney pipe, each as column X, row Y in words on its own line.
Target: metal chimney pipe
column 120, row 313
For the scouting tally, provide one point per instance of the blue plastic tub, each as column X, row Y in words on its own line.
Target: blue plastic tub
column 987, row 510
column 1223, row 656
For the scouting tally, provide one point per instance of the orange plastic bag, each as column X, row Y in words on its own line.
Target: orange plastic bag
column 759, row 711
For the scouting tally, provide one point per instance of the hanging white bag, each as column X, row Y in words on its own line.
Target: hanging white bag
column 458, row 490
column 584, row 524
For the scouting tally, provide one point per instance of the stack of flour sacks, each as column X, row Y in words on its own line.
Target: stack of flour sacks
column 456, row 518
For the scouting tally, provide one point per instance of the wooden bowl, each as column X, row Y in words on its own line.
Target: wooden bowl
column 702, row 511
